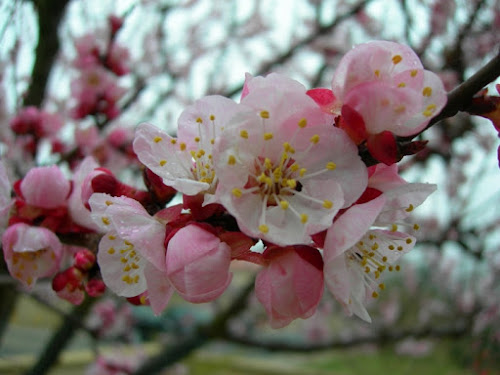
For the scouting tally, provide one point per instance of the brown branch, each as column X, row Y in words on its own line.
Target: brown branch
column 50, row 13
column 459, row 99
column 383, row 337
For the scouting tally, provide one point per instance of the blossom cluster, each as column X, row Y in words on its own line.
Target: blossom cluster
column 303, row 183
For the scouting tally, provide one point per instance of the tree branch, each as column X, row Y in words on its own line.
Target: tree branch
column 60, row 339
column 50, row 13
column 383, row 337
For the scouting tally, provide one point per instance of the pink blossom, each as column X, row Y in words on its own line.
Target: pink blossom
column 381, row 89
column 130, row 220
column 198, row 264
column 88, row 51
column 31, row 252
column 283, row 170
column 186, row 163
column 96, row 91
column 291, row 284
column 45, row 187
column 117, row 59
column 131, row 255
column 356, row 255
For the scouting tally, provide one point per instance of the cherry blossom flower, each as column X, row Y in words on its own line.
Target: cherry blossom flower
column 131, row 255
column 31, row 253
column 198, row 263
column 283, row 170
column 381, row 89
column 366, row 241
column 186, row 163
column 290, row 286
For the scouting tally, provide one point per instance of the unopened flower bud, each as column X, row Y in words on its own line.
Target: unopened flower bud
column 84, row 260
column 95, row 288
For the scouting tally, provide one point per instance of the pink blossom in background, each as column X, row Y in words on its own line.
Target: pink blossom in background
column 198, row 264
column 31, row 253
column 96, row 92
column 117, row 59
column 39, row 123
column 290, row 286
column 88, row 51
column 283, row 170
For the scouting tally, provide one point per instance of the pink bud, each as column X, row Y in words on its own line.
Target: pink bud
column 95, row 288
column 59, row 281
column 45, row 187
column 84, row 260
column 291, row 285
column 74, row 277
column 26, row 120
column 198, row 264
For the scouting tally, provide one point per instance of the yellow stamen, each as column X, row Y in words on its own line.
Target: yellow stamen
column 331, row 166
column 327, row 204
column 263, row 228
column 397, row 59
column 236, row 192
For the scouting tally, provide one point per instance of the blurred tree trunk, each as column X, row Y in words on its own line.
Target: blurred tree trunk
column 49, row 13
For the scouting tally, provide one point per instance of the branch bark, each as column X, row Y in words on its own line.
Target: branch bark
column 383, row 337
column 49, row 13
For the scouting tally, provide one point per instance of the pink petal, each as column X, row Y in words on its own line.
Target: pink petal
column 31, row 252
column 291, row 286
column 122, row 267
column 159, row 288
column 45, row 187
column 350, row 227
column 198, row 264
